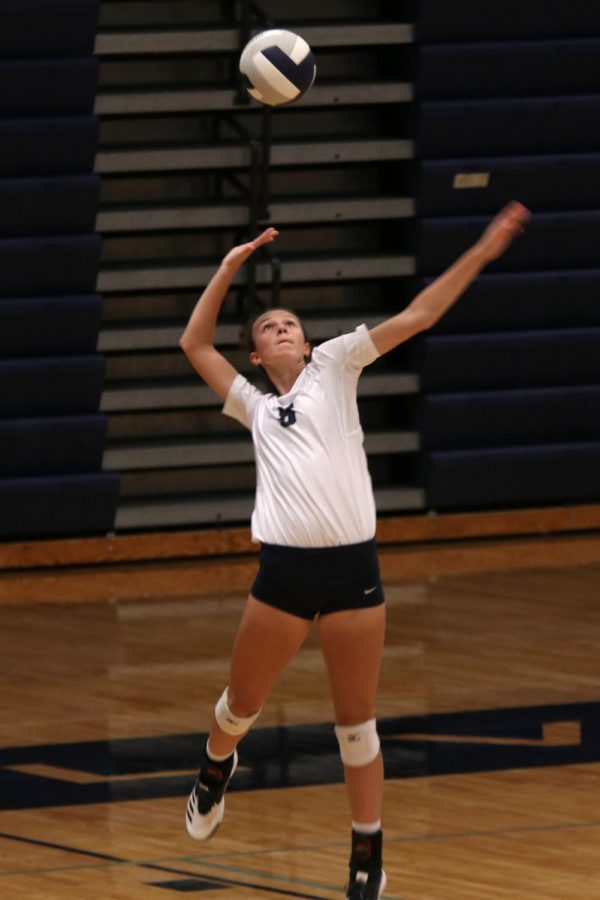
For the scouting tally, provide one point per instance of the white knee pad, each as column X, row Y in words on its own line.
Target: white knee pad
column 359, row 744
column 228, row 721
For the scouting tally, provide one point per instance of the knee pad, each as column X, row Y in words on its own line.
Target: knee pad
column 228, row 721
column 359, row 744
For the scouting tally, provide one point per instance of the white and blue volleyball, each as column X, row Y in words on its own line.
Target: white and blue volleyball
column 278, row 67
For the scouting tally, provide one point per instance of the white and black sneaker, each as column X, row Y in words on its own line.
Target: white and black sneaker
column 206, row 804
column 367, row 885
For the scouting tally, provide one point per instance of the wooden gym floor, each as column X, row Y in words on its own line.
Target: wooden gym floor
column 489, row 711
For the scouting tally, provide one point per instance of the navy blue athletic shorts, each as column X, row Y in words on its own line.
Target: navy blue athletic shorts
column 308, row 582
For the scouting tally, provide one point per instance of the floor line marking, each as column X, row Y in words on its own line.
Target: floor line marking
column 153, row 866
column 53, row 846
column 112, row 860
column 49, row 869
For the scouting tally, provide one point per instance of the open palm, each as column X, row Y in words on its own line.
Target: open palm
column 238, row 255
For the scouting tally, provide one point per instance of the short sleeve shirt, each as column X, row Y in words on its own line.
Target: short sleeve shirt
column 313, row 487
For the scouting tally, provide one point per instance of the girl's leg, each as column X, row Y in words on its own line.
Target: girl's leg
column 267, row 641
column 352, row 643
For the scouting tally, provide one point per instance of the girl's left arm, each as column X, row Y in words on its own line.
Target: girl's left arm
column 431, row 304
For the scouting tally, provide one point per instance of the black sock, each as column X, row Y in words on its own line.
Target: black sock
column 213, row 772
column 366, row 854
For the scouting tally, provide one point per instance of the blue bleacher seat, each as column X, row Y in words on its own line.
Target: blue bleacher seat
column 62, row 27
column 508, row 68
column 65, row 505
column 58, row 87
column 509, row 476
column 64, row 205
column 472, row 19
column 50, row 326
column 566, row 240
column 66, row 445
column 46, row 265
column 543, row 183
column 505, row 418
column 68, row 143
column 50, row 386
column 509, row 359
column 510, row 126
column 509, row 301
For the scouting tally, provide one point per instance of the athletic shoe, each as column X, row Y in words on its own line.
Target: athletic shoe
column 206, row 804
column 367, row 886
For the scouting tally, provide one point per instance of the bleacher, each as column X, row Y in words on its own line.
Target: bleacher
column 52, row 434
column 510, row 379
column 130, row 162
column 175, row 158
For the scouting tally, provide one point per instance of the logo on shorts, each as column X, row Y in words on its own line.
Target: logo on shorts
column 287, row 416
column 370, row 590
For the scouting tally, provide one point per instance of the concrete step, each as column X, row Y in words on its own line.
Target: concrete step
column 119, row 161
column 156, row 336
column 231, row 215
column 149, row 395
column 207, row 99
column 148, row 277
column 151, row 42
column 152, row 336
column 205, row 510
column 187, row 453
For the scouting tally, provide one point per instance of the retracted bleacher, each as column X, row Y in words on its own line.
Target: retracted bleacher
column 508, row 107
column 52, row 434
column 175, row 158
column 414, row 135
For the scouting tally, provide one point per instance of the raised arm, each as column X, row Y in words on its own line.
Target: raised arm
column 197, row 341
column 431, row 304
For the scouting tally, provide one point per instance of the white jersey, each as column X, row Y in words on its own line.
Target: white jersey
column 313, row 486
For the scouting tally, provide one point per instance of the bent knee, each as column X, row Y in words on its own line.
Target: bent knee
column 230, row 721
column 352, row 713
column 243, row 704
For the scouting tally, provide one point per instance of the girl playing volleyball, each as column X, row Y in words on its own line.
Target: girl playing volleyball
column 314, row 517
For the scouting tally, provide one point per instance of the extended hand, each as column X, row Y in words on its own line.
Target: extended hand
column 500, row 234
column 238, row 255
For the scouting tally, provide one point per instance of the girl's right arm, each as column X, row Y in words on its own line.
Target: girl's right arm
column 436, row 299
column 197, row 341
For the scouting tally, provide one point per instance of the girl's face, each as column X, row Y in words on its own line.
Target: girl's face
column 278, row 337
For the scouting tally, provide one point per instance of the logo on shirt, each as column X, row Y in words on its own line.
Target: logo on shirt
column 287, row 416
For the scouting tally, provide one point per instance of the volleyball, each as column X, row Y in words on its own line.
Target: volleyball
column 278, row 67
